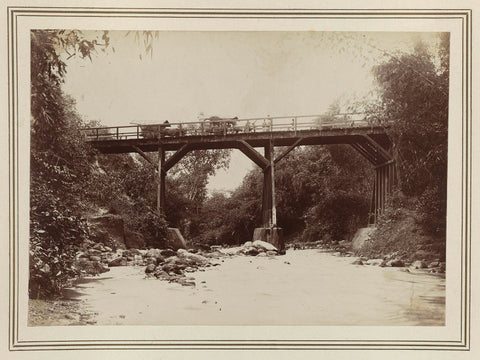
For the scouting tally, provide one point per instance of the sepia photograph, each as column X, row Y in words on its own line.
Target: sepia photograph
column 239, row 179
column 218, row 178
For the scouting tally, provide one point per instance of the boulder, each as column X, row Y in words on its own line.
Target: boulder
column 186, row 282
column 121, row 261
column 154, row 253
column 99, row 246
column 81, row 255
column 151, row 260
column 418, row 264
column 252, row 251
column 94, row 252
column 395, row 263
column 263, row 245
column 374, row 262
column 194, row 259
column 357, row 262
column 272, row 236
column 95, row 258
column 167, row 253
column 232, row 251
column 174, row 267
column 150, row 268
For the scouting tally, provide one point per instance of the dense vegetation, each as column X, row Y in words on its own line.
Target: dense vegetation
column 414, row 93
column 322, row 192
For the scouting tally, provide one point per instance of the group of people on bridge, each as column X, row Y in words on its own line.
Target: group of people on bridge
column 211, row 126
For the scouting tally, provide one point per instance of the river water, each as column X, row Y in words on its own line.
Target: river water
column 304, row 287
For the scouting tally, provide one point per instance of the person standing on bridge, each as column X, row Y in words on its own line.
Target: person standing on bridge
column 247, row 126
column 267, row 124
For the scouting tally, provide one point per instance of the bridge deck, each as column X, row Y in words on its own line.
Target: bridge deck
column 228, row 133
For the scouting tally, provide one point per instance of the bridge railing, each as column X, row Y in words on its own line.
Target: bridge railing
column 225, row 126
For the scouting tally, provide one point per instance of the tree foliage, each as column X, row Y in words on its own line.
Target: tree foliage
column 414, row 108
column 321, row 192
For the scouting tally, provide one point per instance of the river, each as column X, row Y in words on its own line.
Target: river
column 304, row 287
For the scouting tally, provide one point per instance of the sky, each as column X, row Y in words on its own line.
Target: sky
column 246, row 74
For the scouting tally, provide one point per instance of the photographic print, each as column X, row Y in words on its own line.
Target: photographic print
column 235, row 179
column 146, row 208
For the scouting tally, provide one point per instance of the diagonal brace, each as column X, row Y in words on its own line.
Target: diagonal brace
column 286, row 152
column 380, row 150
column 175, row 158
column 364, row 153
column 253, row 154
column 142, row 154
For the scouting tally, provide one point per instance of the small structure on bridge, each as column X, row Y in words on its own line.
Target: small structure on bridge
column 368, row 139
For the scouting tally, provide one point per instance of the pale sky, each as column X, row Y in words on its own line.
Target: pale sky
column 244, row 74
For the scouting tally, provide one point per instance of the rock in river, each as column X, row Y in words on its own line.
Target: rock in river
column 150, row 268
column 419, row 264
column 121, row 261
column 167, row 253
column 259, row 244
column 395, row 263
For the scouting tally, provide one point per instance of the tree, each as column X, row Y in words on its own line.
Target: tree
column 414, row 110
column 195, row 168
column 65, row 178
column 321, row 192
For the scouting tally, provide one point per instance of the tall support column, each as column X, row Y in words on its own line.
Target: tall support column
column 269, row 214
column 383, row 187
column 161, row 181
column 269, row 231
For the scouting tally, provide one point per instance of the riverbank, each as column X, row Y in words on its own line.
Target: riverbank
column 303, row 287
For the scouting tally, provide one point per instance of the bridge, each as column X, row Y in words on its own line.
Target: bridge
column 288, row 132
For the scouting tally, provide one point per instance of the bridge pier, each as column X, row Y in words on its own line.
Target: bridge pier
column 269, row 211
column 385, row 179
column 269, row 231
column 161, row 181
